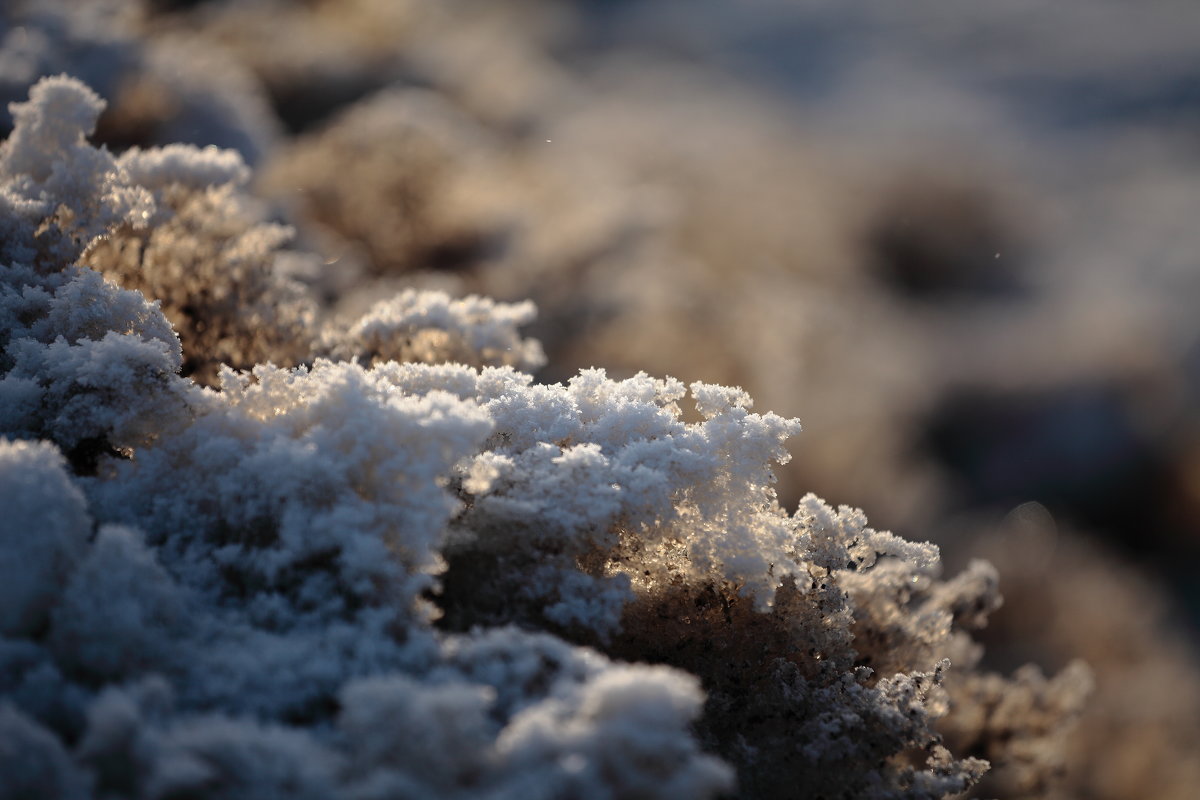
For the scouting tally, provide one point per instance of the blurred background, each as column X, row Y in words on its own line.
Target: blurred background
column 961, row 242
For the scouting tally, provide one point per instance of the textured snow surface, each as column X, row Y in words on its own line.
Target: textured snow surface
column 392, row 565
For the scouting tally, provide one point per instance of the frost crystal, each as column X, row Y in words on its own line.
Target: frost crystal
column 433, row 328
column 250, row 553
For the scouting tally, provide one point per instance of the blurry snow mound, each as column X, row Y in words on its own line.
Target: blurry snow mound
column 161, row 88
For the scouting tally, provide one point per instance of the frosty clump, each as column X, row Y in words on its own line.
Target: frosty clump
column 39, row 496
column 249, row 551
